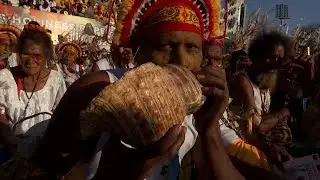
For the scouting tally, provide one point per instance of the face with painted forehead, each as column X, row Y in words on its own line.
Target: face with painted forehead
column 172, row 35
column 6, row 43
column 177, row 47
column 167, row 31
column 69, row 55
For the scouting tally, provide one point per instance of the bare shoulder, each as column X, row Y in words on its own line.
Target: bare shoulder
column 91, row 78
column 243, row 82
column 243, row 92
column 95, row 67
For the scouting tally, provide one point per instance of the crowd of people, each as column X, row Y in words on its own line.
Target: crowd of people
column 251, row 116
column 98, row 10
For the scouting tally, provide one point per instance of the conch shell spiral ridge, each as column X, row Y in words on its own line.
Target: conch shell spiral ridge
column 143, row 104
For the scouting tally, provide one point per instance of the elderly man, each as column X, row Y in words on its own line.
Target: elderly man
column 8, row 39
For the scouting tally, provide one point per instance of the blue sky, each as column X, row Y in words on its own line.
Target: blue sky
column 307, row 9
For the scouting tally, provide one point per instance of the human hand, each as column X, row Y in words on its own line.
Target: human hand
column 139, row 162
column 278, row 154
column 215, row 88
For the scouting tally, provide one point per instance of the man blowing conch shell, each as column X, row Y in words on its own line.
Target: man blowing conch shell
column 162, row 32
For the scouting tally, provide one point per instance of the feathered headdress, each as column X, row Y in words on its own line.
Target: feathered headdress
column 8, row 30
column 74, row 45
column 135, row 17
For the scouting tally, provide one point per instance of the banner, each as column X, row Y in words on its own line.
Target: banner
column 57, row 23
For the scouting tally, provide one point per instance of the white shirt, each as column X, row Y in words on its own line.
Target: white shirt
column 104, row 64
column 44, row 100
column 12, row 60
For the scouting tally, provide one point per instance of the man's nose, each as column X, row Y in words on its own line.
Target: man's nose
column 180, row 56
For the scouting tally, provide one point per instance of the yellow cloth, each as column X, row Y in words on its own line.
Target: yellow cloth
column 248, row 154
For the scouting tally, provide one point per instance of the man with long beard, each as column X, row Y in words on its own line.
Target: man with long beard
column 255, row 86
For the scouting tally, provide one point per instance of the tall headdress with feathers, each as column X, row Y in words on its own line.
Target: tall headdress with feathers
column 136, row 17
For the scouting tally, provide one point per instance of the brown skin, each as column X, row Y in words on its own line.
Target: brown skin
column 33, row 67
column 126, row 57
column 33, row 70
column 214, row 52
column 95, row 68
column 183, row 48
column 244, row 96
column 5, row 48
column 69, row 55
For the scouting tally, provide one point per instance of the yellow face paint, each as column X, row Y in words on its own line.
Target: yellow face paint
column 69, row 54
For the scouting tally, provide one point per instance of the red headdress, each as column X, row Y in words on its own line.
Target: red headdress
column 34, row 27
column 73, row 45
column 10, row 32
column 137, row 17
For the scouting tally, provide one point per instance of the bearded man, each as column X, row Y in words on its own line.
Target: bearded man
column 8, row 39
column 255, row 87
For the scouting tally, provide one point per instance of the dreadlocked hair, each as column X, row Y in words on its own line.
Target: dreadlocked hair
column 263, row 45
column 37, row 34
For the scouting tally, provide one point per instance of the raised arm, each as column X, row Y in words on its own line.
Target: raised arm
column 61, row 146
column 214, row 163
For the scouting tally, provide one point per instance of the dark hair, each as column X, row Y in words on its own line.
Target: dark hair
column 34, row 23
column 38, row 37
column 235, row 56
column 263, row 45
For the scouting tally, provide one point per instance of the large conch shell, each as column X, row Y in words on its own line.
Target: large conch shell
column 143, row 104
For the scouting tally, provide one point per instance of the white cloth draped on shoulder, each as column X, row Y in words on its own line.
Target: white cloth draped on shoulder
column 104, row 64
column 43, row 100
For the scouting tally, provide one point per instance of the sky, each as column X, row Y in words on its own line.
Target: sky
column 308, row 10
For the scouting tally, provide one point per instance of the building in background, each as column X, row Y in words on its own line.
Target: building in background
column 236, row 15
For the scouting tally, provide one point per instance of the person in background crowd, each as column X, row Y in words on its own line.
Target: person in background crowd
column 68, row 54
column 8, row 39
column 45, row 6
column 126, row 58
column 254, row 87
column 53, row 5
column 29, row 92
column 171, row 40
column 256, row 156
column 104, row 63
